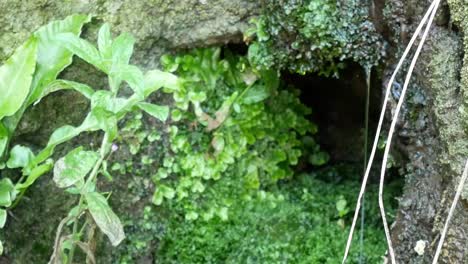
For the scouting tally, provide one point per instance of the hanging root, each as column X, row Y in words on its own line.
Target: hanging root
column 450, row 214
column 430, row 12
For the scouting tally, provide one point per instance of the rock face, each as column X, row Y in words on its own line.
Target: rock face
column 431, row 134
column 158, row 25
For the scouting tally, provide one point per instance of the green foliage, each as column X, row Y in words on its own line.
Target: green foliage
column 313, row 36
column 22, row 79
column 235, row 132
column 15, row 78
column 73, row 168
column 78, row 171
column 104, row 217
column 303, row 221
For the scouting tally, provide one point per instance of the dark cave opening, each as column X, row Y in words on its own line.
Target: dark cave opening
column 338, row 109
column 338, row 106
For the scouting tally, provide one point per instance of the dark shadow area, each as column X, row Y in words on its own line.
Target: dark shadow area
column 338, row 106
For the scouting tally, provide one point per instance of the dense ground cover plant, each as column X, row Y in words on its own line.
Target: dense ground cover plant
column 313, row 36
column 301, row 221
column 234, row 132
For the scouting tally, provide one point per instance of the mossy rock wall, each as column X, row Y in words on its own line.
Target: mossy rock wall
column 431, row 132
column 159, row 27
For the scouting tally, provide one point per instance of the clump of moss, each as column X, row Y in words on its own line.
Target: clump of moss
column 302, row 221
column 459, row 13
column 313, row 36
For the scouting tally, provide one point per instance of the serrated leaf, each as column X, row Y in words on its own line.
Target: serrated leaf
column 157, row 111
column 16, row 77
column 20, row 157
column 74, row 167
column 52, row 57
column 3, row 217
column 156, row 79
column 105, row 218
column 82, row 49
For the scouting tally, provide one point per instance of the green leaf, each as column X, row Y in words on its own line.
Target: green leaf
column 105, row 41
column 319, row 158
column 255, row 94
column 82, row 49
column 156, row 79
column 62, row 134
column 74, row 167
column 3, row 139
column 105, row 218
column 59, row 136
column 130, row 74
column 20, row 157
column 3, row 217
column 122, row 49
column 7, row 194
column 35, row 174
column 163, row 191
column 106, row 100
column 16, row 77
column 58, row 85
column 223, row 213
column 158, row 197
column 52, row 57
column 106, row 121
column 342, row 206
column 191, row 215
column 157, row 111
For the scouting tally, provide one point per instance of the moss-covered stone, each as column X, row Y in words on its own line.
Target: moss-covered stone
column 459, row 12
column 314, row 36
column 156, row 24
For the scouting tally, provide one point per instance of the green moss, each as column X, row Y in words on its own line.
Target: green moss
column 314, row 36
column 257, row 143
column 303, row 221
column 459, row 14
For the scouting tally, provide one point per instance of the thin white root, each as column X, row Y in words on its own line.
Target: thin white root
column 392, row 130
column 379, row 128
column 450, row 214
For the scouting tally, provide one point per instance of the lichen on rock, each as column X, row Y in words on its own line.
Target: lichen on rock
column 314, row 36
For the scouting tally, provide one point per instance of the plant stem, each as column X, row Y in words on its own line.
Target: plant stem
column 90, row 179
column 366, row 135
